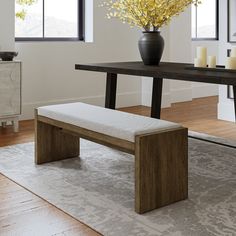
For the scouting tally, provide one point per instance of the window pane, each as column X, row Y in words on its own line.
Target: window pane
column 194, row 21
column 32, row 25
column 206, row 19
column 61, row 18
column 232, row 27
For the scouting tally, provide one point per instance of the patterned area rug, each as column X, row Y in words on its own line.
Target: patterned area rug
column 98, row 189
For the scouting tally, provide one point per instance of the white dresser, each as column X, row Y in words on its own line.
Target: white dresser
column 10, row 93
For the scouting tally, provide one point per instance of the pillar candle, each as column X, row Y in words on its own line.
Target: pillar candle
column 212, row 61
column 233, row 52
column 230, row 63
column 202, row 54
column 198, row 62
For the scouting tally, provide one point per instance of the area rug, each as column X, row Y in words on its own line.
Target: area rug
column 98, row 189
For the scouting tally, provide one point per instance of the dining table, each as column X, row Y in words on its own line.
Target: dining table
column 164, row 71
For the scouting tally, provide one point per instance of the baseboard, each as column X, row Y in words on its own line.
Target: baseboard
column 181, row 95
column 147, row 99
column 187, row 94
column 226, row 111
column 123, row 100
column 205, row 90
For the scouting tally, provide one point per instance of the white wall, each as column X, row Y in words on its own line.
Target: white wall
column 180, row 48
column 225, row 106
column 7, row 25
column 48, row 67
column 185, row 51
column 203, row 89
column 177, row 49
column 147, row 82
column 180, row 51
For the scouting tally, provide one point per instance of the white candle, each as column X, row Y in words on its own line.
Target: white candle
column 233, row 52
column 198, row 62
column 202, row 54
column 230, row 63
column 212, row 61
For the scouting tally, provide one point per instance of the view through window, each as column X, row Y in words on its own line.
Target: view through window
column 205, row 20
column 49, row 19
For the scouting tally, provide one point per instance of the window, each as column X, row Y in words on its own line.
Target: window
column 205, row 20
column 51, row 20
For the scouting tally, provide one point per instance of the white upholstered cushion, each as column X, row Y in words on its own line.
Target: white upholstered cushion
column 110, row 122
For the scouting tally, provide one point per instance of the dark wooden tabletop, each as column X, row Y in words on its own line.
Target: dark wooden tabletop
column 167, row 70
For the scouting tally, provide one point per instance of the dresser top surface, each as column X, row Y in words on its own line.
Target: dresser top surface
column 7, row 62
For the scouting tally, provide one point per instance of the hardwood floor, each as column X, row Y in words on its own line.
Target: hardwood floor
column 26, row 134
column 199, row 115
column 23, row 213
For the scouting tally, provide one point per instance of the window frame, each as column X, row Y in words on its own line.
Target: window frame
column 80, row 25
column 216, row 27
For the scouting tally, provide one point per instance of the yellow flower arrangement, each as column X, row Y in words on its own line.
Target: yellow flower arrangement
column 146, row 14
column 24, row 3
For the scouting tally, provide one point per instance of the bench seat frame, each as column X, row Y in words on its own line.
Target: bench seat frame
column 161, row 158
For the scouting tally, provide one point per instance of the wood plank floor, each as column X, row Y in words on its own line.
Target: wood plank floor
column 199, row 115
column 23, row 213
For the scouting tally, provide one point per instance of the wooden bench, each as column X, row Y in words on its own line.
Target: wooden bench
column 160, row 147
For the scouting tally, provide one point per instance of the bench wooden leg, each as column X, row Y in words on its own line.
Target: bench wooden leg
column 53, row 144
column 161, row 169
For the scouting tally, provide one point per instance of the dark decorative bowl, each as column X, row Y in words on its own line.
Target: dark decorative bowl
column 8, row 56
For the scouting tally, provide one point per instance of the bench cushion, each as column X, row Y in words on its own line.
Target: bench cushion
column 110, row 122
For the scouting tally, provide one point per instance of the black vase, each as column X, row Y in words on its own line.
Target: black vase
column 151, row 46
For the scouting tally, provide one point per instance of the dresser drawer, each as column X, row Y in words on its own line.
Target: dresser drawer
column 10, row 88
column 10, row 102
column 10, row 75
